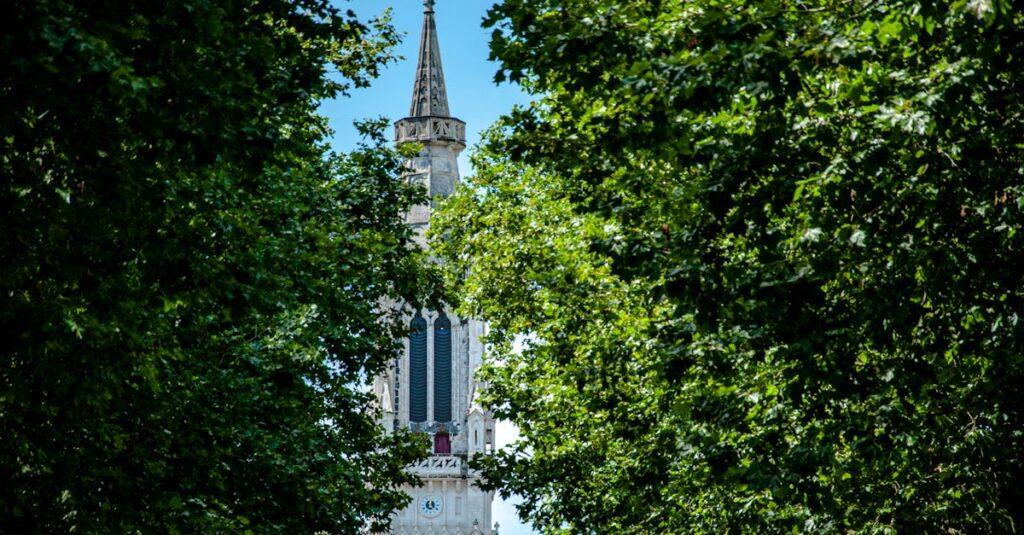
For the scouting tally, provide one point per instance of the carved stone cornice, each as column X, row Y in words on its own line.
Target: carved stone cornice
column 431, row 129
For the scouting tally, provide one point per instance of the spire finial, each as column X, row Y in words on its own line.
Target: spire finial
column 428, row 6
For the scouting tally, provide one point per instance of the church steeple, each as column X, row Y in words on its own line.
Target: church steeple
column 429, row 119
column 429, row 96
column 429, row 388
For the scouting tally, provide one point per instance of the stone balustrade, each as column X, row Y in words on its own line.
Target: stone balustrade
column 444, row 466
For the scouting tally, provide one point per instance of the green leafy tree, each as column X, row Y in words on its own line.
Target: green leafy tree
column 188, row 277
column 762, row 260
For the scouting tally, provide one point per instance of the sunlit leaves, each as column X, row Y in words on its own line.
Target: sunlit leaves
column 765, row 258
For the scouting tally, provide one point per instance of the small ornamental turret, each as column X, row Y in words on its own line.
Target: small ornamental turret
column 476, row 423
column 387, row 410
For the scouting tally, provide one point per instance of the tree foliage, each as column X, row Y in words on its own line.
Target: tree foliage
column 763, row 262
column 188, row 277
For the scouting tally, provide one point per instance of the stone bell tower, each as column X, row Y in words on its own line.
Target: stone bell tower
column 431, row 388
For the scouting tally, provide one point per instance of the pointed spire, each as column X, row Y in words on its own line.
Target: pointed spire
column 429, row 97
column 429, row 120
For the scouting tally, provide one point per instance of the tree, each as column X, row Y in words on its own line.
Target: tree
column 190, row 279
column 762, row 259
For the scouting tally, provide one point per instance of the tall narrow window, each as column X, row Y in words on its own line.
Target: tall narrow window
column 442, row 369
column 418, row 370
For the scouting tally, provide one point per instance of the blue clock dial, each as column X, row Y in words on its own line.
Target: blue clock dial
column 431, row 506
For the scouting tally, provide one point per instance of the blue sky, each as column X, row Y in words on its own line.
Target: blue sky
column 472, row 95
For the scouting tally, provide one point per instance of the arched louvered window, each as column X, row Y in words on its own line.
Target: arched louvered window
column 442, row 369
column 418, row 370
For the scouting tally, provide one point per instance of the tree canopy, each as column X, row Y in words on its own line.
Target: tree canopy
column 189, row 279
column 754, row 266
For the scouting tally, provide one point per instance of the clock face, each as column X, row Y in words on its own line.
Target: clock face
column 430, row 506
